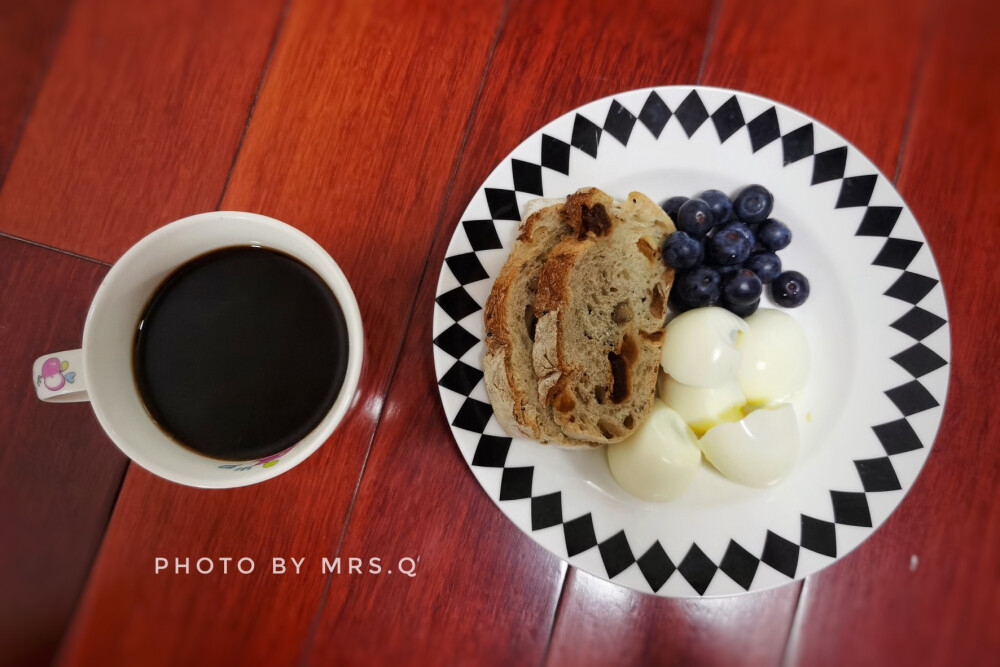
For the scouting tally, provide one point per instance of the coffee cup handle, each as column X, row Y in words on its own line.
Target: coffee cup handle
column 59, row 378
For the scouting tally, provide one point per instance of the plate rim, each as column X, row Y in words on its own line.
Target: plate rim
column 768, row 104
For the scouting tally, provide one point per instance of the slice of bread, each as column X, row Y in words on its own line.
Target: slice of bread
column 601, row 305
column 510, row 327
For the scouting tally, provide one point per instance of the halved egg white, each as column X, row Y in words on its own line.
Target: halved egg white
column 703, row 407
column 759, row 450
column 659, row 461
column 700, row 347
column 775, row 361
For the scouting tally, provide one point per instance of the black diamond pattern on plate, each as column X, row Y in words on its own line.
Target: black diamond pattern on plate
column 516, row 483
column 918, row 323
column 461, row 378
column 728, row 119
column 878, row 221
column 698, row 569
column 763, row 129
column 527, row 177
column 897, row 437
column 619, row 122
column 739, row 564
column 654, row 114
column 473, row 415
column 919, row 360
column 691, row 113
column 546, row 511
column 502, row 203
column 851, row 509
column 911, row 287
column 455, row 340
column 856, row 191
column 829, row 165
column 491, row 451
column 877, row 475
column 797, row 144
column 457, row 303
column 897, row 253
column 912, row 398
column 579, row 535
column 819, row 536
column 616, row 554
column 656, row 566
column 482, row 234
column 466, row 268
column 555, row 154
column 781, row 554
column 586, row 135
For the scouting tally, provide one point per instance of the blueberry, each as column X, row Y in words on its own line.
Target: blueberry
column 720, row 204
column 727, row 271
column 743, row 288
column 774, row 234
column 679, row 304
column 730, row 244
column 790, row 289
column 698, row 287
column 753, row 204
column 681, row 251
column 695, row 217
column 671, row 205
column 765, row 264
column 741, row 311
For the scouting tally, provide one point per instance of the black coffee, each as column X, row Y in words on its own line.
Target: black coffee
column 241, row 353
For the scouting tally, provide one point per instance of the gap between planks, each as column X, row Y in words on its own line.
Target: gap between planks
column 310, row 638
column 789, row 657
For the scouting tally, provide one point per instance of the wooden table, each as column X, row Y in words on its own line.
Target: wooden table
column 369, row 124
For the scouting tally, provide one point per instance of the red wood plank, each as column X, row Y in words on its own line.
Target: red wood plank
column 354, row 140
column 923, row 590
column 847, row 63
column 28, row 34
column 484, row 593
column 137, row 122
column 58, row 473
column 753, row 48
column 625, row 628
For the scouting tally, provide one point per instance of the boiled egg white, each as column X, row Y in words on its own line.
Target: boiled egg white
column 658, row 461
column 775, row 357
column 703, row 407
column 700, row 348
column 758, row 450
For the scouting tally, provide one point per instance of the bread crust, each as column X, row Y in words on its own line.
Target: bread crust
column 508, row 373
column 531, row 379
column 569, row 383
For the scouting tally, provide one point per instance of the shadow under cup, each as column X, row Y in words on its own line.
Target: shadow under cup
column 110, row 330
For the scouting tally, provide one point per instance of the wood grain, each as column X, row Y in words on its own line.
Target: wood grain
column 548, row 63
column 58, row 473
column 832, row 46
column 28, row 33
column 923, row 590
column 600, row 623
column 137, row 122
column 847, row 63
column 484, row 593
column 354, row 140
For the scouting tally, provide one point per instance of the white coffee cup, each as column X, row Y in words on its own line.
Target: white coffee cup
column 101, row 371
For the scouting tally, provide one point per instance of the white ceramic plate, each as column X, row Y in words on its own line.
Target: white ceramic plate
column 876, row 322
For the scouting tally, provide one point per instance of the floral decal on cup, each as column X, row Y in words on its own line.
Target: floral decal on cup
column 266, row 462
column 54, row 374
